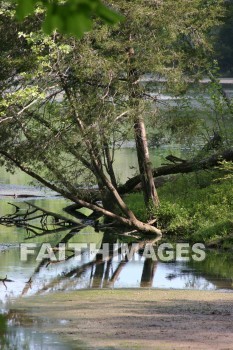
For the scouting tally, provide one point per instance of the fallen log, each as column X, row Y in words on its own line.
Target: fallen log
column 134, row 184
column 185, row 167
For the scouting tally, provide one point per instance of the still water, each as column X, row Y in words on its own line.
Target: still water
column 30, row 338
column 214, row 272
column 27, row 278
column 31, row 277
column 89, row 271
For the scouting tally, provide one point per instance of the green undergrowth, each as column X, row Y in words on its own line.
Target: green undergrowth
column 195, row 207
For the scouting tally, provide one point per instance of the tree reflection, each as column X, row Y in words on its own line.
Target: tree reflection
column 3, row 330
column 102, row 272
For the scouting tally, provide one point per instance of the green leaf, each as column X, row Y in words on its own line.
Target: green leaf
column 24, row 8
column 69, row 17
column 52, row 22
column 78, row 24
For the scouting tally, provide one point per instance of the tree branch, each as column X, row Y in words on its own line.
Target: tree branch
column 187, row 167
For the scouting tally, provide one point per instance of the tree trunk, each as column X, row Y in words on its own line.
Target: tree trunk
column 147, row 180
column 148, row 186
column 109, row 164
column 128, row 219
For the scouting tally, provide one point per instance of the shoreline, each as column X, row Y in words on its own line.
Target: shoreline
column 136, row 319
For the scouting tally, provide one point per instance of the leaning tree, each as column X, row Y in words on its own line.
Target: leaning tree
column 66, row 104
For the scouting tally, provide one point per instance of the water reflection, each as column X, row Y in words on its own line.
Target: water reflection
column 91, row 271
column 14, row 336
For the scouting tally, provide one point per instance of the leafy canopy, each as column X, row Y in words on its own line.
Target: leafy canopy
column 67, row 104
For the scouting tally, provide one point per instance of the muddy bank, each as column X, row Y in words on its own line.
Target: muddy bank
column 137, row 319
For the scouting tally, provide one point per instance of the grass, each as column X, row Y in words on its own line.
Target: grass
column 194, row 207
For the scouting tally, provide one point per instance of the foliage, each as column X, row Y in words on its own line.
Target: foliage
column 68, row 17
column 194, row 207
column 136, row 204
column 63, row 115
column 199, row 206
column 191, row 119
column 227, row 170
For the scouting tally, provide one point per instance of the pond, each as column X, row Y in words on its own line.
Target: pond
column 91, row 271
column 32, row 277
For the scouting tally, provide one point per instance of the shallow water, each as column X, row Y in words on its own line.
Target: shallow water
column 34, row 277
column 22, row 338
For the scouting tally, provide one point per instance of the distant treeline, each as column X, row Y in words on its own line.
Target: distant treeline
column 224, row 45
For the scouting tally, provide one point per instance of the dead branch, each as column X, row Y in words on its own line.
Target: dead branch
column 58, row 217
column 4, row 280
column 184, row 167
